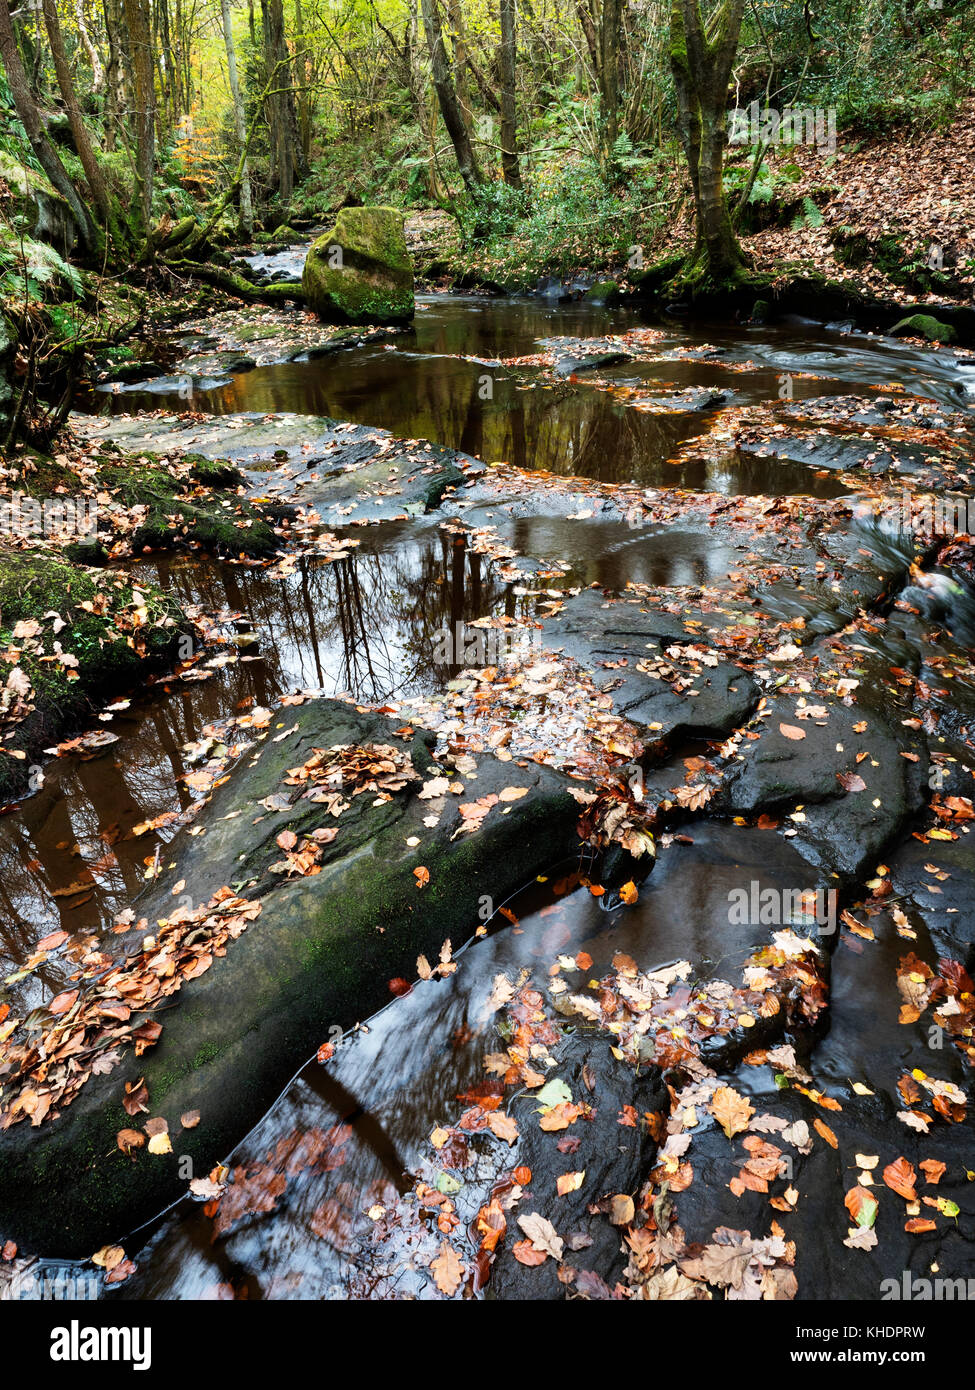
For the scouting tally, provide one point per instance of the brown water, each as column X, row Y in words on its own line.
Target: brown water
column 366, row 626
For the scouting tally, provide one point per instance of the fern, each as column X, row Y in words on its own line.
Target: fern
column 809, row 217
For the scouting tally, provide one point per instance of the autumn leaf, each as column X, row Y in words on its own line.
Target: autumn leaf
column 108, row 1257
column 731, row 1110
column 526, row 1254
column 129, row 1139
column 504, row 1126
column 861, row 1205
column 933, row 1170
column 542, row 1234
column 901, row 1178
column 628, row 893
column 822, row 1128
column 622, row 1210
column 422, row 876
column 569, row 1182
column 792, row 732
column 447, row 1270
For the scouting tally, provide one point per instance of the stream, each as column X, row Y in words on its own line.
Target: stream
column 335, row 1159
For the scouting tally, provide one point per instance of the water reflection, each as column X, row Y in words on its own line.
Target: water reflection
column 365, row 626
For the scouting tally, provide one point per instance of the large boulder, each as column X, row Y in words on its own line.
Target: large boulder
column 317, row 952
column 360, row 270
column 33, row 196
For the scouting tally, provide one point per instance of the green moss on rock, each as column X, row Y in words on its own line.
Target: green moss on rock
column 360, row 270
column 925, row 326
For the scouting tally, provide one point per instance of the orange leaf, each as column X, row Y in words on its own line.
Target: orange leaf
column 900, row 1177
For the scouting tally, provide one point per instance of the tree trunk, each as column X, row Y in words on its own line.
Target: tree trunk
column 702, row 68
column 139, row 40
column 286, row 158
column 91, row 52
column 609, row 79
column 458, row 44
column 509, row 119
column 44, row 151
column 447, row 97
column 79, row 131
column 240, row 122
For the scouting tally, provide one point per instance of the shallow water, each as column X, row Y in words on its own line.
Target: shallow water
column 366, row 626
column 417, row 386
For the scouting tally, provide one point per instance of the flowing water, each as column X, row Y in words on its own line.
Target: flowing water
column 365, row 626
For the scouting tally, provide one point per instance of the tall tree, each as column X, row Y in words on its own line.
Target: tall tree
column 44, row 151
column 509, row 118
column 609, row 78
column 138, row 43
column 287, row 161
column 701, row 57
column 443, row 84
column 240, row 121
column 79, row 131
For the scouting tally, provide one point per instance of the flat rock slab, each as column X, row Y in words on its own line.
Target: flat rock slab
column 348, row 473
column 794, row 769
column 603, row 634
column 931, row 465
column 321, row 953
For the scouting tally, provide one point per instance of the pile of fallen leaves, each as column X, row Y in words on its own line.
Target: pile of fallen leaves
column 42, row 1070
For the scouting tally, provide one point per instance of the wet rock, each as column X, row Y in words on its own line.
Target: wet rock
column 575, row 356
column 603, row 634
column 810, row 770
column 929, row 464
column 348, row 473
column 320, row 953
column 614, row 1157
column 925, row 326
column 360, row 270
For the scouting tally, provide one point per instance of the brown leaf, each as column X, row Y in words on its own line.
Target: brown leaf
column 447, row 1270
column 792, row 732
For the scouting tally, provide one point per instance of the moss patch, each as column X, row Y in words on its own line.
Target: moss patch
column 925, row 326
column 68, row 637
column 360, row 270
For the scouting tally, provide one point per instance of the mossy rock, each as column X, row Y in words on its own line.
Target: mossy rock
column 603, row 292
column 109, row 648
column 924, row 326
column 360, row 270
column 321, row 953
column 34, row 196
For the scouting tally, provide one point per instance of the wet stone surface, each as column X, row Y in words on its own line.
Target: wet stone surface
column 743, row 1075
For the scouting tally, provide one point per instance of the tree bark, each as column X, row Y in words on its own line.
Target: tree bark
column 286, row 159
column 44, row 151
column 702, row 68
column 139, row 40
column 447, row 97
column 91, row 52
column 79, row 131
column 240, row 122
column 609, row 78
column 509, row 119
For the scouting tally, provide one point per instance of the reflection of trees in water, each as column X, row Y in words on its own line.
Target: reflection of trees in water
column 367, row 625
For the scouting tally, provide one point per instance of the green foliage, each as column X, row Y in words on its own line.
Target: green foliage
column 568, row 218
column 809, row 217
column 33, row 268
